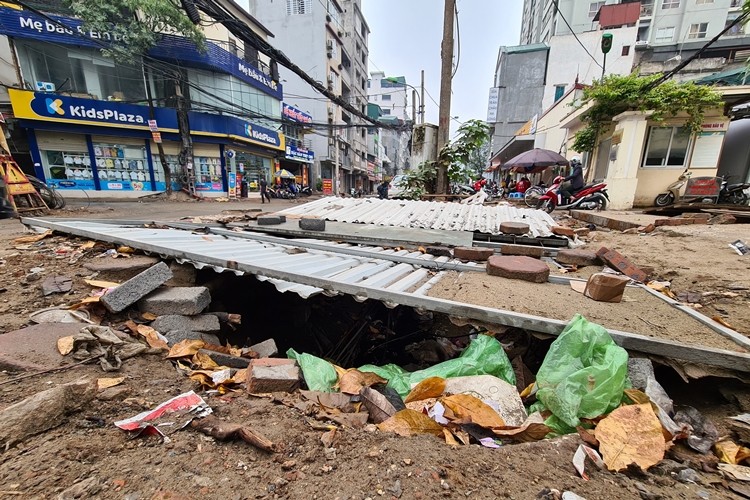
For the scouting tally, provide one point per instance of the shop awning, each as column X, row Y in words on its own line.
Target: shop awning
column 731, row 77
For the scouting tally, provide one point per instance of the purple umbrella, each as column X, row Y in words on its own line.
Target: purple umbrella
column 535, row 160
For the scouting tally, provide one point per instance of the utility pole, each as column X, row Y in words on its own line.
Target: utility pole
column 183, row 124
column 336, row 164
column 446, row 71
column 414, row 106
column 421, row 101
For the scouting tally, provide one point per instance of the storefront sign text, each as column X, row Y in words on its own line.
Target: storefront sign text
column 299, row 154
column 295, row 114
column 327, row 186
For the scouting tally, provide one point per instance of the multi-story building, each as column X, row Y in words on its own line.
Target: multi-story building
column 328, row 40
column 390, row 94
column 87, row 121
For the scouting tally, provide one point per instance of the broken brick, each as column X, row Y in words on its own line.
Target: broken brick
column 647, row 228
column 526, row 250
column 577, row 257
column 619, row 262
column 439, row 251
column 563, row 231
column 517, row 228
column 473, row 253
column 272, row 375
column 582, row 231
column 518, row 267
column 723, row 219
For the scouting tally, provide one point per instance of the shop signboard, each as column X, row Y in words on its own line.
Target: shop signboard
column 152, row 126
column 21, row 23
column 232, row 184
column 296, row 115
column 71, row 184
column 60, row 108
column 156, row 136
column 299, row 154
column 327, row 186
column 703, row 187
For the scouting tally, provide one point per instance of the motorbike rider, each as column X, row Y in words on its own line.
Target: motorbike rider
column 574, row 182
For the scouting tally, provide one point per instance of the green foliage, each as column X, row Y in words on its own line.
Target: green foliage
column 616, row 94
column 136, row 24
column 473, row 136
column 479, row 159
column 319, row 184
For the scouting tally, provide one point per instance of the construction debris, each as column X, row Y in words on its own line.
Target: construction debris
column 133, row 290
column 518, row 267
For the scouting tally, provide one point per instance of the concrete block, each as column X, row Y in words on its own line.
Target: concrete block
column 272, row 375
column 312, row 224
column 265, row 349
column 439, row 251
column 203, row 323
column 135, row 263
column 34, row 348
column 177, row 336
column 618, row 262
column 226, row 359
column 563, row 231
column 518, row 267
column 187, row 301
column 525, row 250
column 268, row 220
column 182, row 274
column 473, row 253
column 518, row 228
column 136, row 288
column 577, row 257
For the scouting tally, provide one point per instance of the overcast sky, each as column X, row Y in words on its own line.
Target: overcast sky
column 405, row 37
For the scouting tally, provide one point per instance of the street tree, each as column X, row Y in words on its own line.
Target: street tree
column 479, row 159
column 138, row 25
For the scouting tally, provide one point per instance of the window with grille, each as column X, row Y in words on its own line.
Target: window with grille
column 737, row 29
column 698, row 30
column 703, row 2
column 594, row 8
column 670, row 4
column 298, row 7
column 667, row 147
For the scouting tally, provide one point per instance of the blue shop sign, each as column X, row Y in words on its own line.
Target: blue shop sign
column 295, row 115
column 299, row 154
column 69, row 31
column 59, row 108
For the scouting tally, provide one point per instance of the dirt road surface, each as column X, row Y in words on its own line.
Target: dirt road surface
column 86, row 456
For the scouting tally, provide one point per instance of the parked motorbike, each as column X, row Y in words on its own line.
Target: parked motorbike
column 733, row 194
column 306, row 190
column 462, row 189
column 591, row 197
column 532, row 195
column 673, row 190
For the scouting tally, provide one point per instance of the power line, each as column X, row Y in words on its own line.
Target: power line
column 557, row 8
column 458, row 38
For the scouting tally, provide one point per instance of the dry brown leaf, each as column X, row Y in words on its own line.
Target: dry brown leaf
column 106, row 383
column 467, row 406
column 529, row 431
column 450, row 439
column 432, row 387
column 730, row 452
column 149, row 316
column 462, row 436
column 588, row 436
column 240, row 376
column 204, row 361
column 124, row 249
column 721, row 321
column 637, row 397
column 33, row 238
column 354, row 380
column 65, row 345
column 87, row 246
column 379, row 408
column 152, row 337
column 631, row 434
column 185, row 348
column 132, row 326
column 101, row 283
column 330, row 438
column 409, row 423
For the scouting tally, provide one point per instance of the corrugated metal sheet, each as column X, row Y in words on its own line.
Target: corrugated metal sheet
column 292, row 257
column 425, row 214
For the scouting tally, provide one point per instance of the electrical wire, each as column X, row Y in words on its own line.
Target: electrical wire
column 557, row 8
column 458, row 40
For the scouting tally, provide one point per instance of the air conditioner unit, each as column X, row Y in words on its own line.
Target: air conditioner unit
column 641, row 43
column 329, row 44
column 341, row 66
column 330, row 54
column 341, row 33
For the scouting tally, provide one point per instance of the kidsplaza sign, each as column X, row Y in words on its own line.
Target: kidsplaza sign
column 54, row 107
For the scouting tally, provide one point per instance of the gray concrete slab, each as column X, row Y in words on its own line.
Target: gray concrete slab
column 34, row 348
column 371, row 233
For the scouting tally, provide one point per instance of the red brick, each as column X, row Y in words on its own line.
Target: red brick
column 582, row 231
column 699, row 220
column 272, row 375
column 577, row 257
column 473, row 253
column 694, row 215
column 518, row 267
column 526, row 250
column 617, row 261
column 723, row 219
column 563, row 231
column 518, row 228
column 646, row 229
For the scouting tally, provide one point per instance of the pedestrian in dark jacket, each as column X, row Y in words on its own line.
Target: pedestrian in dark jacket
column 573, row 182
column 264, row 191
column 383, row 191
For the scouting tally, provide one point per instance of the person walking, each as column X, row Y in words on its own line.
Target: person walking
column 383, row 191
column 264, row 191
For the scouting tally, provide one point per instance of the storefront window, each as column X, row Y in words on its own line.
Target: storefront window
column 122, row 168
column 253, row 168
column 667, row 147
column 68, row 169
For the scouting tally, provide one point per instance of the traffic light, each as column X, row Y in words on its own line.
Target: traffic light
column 606, row 43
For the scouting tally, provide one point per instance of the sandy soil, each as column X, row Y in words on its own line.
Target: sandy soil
column 87, row 446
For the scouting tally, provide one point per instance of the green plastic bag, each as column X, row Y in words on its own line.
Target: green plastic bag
column 320, row 375
column 483, row 356
column 583, row 375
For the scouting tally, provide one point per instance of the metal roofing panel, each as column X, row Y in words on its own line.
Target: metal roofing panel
column 424, row 214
